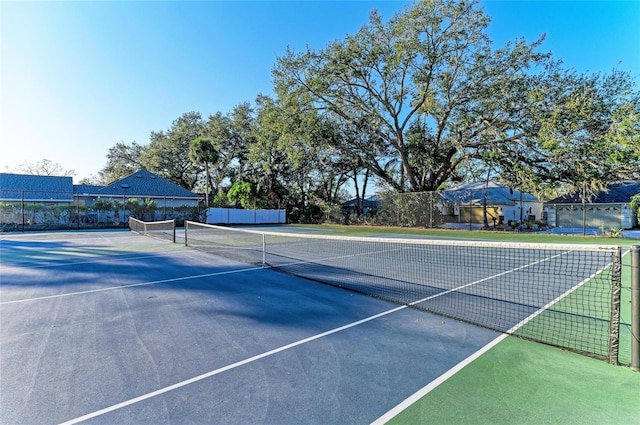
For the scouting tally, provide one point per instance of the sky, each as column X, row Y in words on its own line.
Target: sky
column 77, row 77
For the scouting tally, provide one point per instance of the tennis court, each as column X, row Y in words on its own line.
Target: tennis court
column 111, row 327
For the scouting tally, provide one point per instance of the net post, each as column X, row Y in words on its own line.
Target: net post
column 264, row 250
column 186, row 227
column 635, row 307
column 174, row 230
column 616, row 291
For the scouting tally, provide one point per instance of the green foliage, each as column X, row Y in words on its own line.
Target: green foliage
column 332, row 213
column 613, row 232
column 309, row 213
column 584, row 139
column 635, row 205
column 244, row 194
column 168, row 152
column 142, row 209
column 232, row 133
column 426, row 87
column 122, row 160
column 103, row 204
column 203, row 152
column 221, row 200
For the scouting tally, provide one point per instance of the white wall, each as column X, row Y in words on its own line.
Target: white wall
column 238, row 216
column 529, row 208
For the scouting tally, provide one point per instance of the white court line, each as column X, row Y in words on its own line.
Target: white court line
column 155, row 282
column 457, row 368
column 283, row 348
column 60, row 262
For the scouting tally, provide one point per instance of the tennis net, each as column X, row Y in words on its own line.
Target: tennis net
column 165, row 229
column 562, row 295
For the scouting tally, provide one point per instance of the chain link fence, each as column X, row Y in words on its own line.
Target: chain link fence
column 39, row 210
column 498, row 208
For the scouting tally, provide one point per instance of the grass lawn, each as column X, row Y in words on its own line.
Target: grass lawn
column 509, row 236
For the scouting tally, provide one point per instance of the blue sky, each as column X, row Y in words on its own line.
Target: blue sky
column 77, row 77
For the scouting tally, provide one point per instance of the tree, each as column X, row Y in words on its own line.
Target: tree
column 430, row 71
column 231, row 134
column 635, row 205
column 294, row 157
column 202, row 152
column 93, row 180
column 586, row 134
column 270, row 170
column 142, row 209
column 105, row 205
column 122, row 160
column 44, row 167
column 168, row 152
column 243, row 193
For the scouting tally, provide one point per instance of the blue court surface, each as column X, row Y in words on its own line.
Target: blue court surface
column 116, row 328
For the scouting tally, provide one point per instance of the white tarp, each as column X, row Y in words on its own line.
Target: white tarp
column 238, row 216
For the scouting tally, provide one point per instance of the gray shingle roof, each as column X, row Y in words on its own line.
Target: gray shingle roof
column 86, row 189
column 35, row 188
column 616, row 193
column 497, row 194
column 144, row 184
column 371, row 201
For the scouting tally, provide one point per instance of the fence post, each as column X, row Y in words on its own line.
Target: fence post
column 78, row 211
column 635, row 307
column 470, row 208
column 22, row 207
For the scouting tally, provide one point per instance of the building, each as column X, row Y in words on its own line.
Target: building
column 29, row 188
column 609, row 209
column 504, row 205
column 141, row 185
column 53, row 201
column 370, row 206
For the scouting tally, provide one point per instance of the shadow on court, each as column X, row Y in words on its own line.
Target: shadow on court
column 130, row 330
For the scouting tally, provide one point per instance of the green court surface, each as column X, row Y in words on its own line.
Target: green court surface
column 522, row 382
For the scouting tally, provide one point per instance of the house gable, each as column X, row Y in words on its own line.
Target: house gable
column 144, row 184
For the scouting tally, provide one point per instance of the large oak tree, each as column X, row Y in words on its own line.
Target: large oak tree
column 427, row 86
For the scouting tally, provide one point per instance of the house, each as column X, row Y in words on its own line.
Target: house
column 27, row 199
column 142, row 186
column 370, row 205
column 608, row 209
column 504, row 205
column 55, row 201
